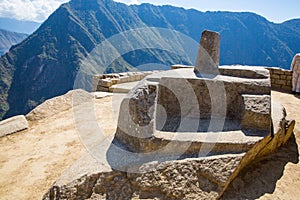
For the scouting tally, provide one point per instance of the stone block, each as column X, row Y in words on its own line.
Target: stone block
column 138, row 77
column 287, row 88
column 283, row 77
column 124, row 79
column 115, row 76
column 288, row 73
column 208, row 57
column 123, row 74
column 130, row 74
column 148, row 73
column 102, row 89
column 277, row 71
column 99, row 76
column 275, row 76
column 13, row 125
column 273, row 81
column 250, row 74
column 181, row 66
column 280, row 82
column 274, row 85
column 256, row 113
column 114, row 81
column 289, row 78
column 132, row 78
column 95, row 82
column 105, row 83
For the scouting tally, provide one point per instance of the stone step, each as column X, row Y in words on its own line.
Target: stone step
column 13, row 125
column 256, row 114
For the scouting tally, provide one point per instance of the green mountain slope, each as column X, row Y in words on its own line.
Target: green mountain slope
column 47, row 62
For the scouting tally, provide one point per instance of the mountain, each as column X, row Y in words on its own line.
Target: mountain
column 46, row 63
column 7, row 39
column 18, row 26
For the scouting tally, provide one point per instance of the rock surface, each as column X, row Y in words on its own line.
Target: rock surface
column 257, row 111
column 183, row 179
column 13, row 125
column 208, row 57
column 191, row 178
column 32, row 161
column 59, row 104
column 29, row 159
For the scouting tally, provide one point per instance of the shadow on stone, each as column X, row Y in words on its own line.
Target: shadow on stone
column 249, row 132
column 261, row 177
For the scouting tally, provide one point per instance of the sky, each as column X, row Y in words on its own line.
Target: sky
column 274, row 10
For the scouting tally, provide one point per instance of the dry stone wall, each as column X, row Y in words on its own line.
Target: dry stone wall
column 281, row 79
column 104, row 82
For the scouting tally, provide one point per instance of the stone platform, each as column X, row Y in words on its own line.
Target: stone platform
column 165, row 178
column 229, row 112
column 186, row 133
column 117, row 172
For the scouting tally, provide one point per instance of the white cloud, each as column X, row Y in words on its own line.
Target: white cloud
column 130, row 2
column 134, row 2
column 33, row 10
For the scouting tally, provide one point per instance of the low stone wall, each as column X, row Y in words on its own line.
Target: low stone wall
column 281, row 79
column 103, row 82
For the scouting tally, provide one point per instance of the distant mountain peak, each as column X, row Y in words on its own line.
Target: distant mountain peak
column 89, row 4
column 18, row 26
column 8, row 38
column 51, row 57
